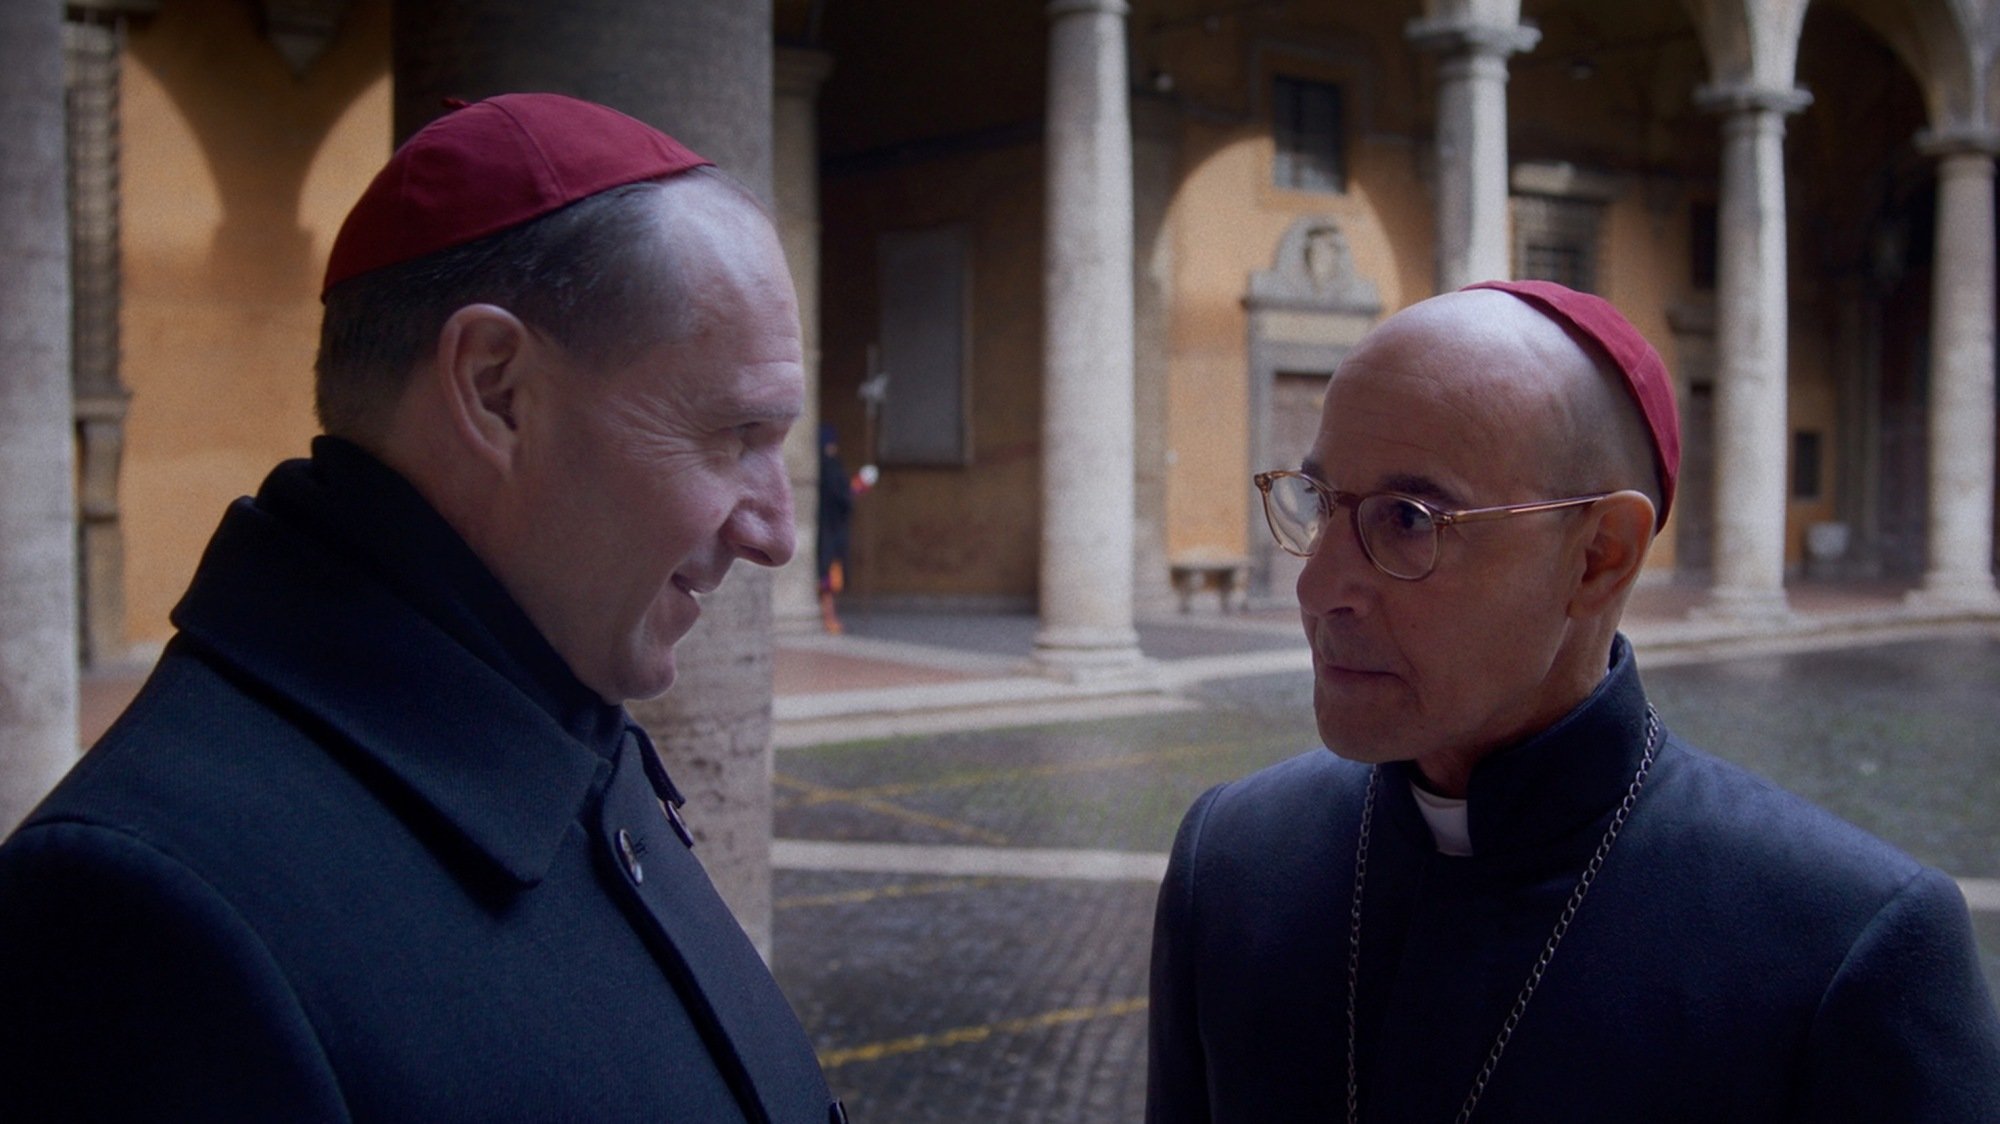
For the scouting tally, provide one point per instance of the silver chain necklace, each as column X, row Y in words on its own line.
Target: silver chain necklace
column 1535, row 973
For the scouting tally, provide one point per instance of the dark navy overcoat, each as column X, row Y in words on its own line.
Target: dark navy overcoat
column 1742, row 955
column 362, row 850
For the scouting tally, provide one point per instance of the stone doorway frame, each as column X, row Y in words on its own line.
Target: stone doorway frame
column 1305, row 313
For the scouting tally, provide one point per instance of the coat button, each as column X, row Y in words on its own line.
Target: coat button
column 630, row 857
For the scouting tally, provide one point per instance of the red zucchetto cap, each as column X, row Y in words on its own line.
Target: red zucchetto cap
column 1645, row 375
column 484, row 167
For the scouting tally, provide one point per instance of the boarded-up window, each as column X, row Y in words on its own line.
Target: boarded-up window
column 1555, row 239
column 1306, row 134
column 923, row 339
column 1805, row 465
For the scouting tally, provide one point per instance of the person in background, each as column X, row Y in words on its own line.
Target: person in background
column 836, row 510
column 1509, row 892
column 377, row 840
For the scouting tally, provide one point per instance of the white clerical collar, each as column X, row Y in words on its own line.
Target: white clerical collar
column 1448, row 821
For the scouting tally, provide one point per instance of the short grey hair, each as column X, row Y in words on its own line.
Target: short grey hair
column 590, row 276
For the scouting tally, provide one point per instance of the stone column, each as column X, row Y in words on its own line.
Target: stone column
column 1960, row 530
column 795, row 185
column 38, row 642
column 1472, row 242
column 701, row 70
column 1752, row 428
column 1087, row 364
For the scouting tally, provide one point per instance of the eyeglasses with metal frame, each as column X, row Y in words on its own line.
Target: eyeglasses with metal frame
column 1398, row 533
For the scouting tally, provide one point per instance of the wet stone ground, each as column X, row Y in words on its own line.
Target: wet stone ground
column 996, row 997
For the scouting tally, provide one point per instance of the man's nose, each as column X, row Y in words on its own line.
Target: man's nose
column 1338, row 573
column 760, row 529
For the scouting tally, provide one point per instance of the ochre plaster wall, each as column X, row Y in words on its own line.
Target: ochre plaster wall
column 1644, row 271
column 1813, row 404
column 236, row 175
column 946, row 532
column 1227, row 220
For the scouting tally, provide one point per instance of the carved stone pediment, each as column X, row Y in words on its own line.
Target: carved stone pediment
column 302, row 29
column 1314, row 272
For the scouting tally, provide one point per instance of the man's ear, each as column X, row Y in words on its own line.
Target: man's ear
column 482, row 361
column 1619, row 529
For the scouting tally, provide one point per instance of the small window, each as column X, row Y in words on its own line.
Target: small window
column 1306, row 129
column 1555, row 239
column 1805, row 465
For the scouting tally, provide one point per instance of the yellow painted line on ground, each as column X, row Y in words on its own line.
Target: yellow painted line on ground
column 821, row 794
column 825, row 794
column 916, row 1043
column 896, row 890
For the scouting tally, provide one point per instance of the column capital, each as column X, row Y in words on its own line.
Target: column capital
column 1742, row 97
column 798, row 71
column 1469, row 37
column 1959, row 140
column 1060, row 8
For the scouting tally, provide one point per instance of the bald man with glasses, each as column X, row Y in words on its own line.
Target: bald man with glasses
column 1509, row 893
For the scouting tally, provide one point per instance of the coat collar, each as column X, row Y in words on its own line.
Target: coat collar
column 1565, row 779
column 385, row 647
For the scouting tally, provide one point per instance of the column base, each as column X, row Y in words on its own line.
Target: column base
column 795, row 623
column 1748, row 606
column 1089, row 653
column 1950, row 592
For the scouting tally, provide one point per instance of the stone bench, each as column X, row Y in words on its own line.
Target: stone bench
column 1194, row 572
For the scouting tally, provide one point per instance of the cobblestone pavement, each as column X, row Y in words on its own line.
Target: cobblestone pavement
column 990, row 962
